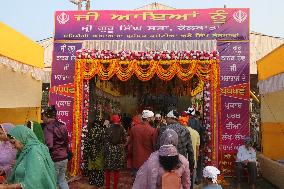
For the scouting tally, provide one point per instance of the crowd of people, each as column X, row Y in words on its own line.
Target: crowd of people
column 152, row 147
column 34, row 156
column 162, row 152
column 171, row 158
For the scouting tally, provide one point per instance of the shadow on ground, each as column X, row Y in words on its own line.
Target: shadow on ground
column 125, row 182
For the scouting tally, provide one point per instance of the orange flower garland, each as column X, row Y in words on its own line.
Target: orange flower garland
column 168, row 73
column 206, row 70
column 125, row 74
column 186, row 74
column 198, row 89
column 77, row 119
column 145, row 74
column 145, row 70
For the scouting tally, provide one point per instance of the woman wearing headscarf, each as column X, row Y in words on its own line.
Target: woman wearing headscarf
column 210, row 173
column 115, row 140
column 7, row 151
column 165, row 168
column 34, row 168
column 94, row 151
column 37, row 129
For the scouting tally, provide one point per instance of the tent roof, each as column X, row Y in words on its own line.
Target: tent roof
column 16, row 46
column 272, row 64
column 155, row 6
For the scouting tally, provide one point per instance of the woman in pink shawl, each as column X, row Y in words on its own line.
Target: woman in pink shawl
column 7, row 151
column 162, row 162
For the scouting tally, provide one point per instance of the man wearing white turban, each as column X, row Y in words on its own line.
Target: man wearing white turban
column 142, row 140
column 147, row 114
column 210, row 173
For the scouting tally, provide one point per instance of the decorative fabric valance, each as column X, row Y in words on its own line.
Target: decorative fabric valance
column 272, row 84
column 149, row 45
column 36, row 73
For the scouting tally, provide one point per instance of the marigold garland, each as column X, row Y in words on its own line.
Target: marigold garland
column 198, row 89
column 77, row 120
column 145, row 70
column 214, row 117
column 204, row 65
column 125, row 73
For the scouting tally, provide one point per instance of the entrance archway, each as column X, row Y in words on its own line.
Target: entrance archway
column 144, row 65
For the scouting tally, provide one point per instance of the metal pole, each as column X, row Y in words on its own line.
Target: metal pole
column 88, row 5
column 80, row 6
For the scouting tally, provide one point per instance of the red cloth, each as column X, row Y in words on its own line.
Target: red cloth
column 2, row 179
column 136, row 120
column 107, row 175
column 115, row 178
column 184, row 114
column 115, row 119
column 142, row 143
column 129, row 156
column 183, row 120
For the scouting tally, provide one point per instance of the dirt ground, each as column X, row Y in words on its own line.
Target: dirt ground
column 125, row 182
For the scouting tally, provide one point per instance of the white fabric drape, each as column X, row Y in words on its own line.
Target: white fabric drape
column 148, row 45
column 36, row 73
column 261, row 45
column 272, row 84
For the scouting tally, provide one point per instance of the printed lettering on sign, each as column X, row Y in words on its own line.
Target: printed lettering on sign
column 63, row 113
column 89, row 16
column 87, row 28
column 106, row 29
column 227, row 27
column 232, row 126
column 233, row 116
column 207, row 24
column 62, row 103
column 219, row 16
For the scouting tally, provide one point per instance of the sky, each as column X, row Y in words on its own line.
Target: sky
column 35, row 18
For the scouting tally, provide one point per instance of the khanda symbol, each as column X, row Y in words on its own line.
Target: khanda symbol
column 240, row 16
column 62, row 18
